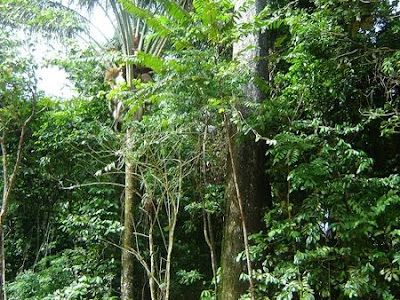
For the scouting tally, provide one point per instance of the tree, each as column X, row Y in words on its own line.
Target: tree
column 333, row 190
column 248, row 192
column 130, row 32
column 18, row 101
column 307, row 113
column 49, row 18
column 63, row 238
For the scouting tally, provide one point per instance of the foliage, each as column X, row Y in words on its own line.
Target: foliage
column 17, row 81
column 72, row 274
column 17, row 109
column 59, row 233
column 50, row 18
column 330, row 232
column 330, row 120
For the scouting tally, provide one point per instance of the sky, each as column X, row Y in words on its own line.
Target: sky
column 55, row 83
column 52, row 80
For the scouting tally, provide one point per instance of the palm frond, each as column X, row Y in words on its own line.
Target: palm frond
column 144, row 14
column 175, row 11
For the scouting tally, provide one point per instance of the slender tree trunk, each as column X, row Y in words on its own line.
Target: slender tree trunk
column 2, row 266
column 248, row 191
column 127, row 258
column 175, row 204
column 207, row 224
column 171, row 236
column 128, row 238
column 3, row 214
column 152, row 275
column 8, row 185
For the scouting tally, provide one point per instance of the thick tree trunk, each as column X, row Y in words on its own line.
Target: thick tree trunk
column 249, row 160
column 254, row 188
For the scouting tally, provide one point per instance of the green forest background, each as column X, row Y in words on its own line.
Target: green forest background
column 184, row 169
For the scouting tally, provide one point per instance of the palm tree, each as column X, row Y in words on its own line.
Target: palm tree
column 132, row 21
column 130, row 33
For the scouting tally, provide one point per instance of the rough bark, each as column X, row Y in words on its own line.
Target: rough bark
column 253, row 184
column 249, row 159
column 127, row 258
column 254, row 58
column 130, row 201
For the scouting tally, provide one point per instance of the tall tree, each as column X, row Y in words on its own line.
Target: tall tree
column 248, row 191
column 15, row 116
column 130, row 39
column 331, row 231
column 131, row 32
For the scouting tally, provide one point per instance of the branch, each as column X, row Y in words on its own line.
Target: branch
column 76, row 186
column 139, row 258
column 5, row 163
column 8, row 185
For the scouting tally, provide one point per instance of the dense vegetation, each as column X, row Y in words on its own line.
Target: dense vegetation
column 175, row 138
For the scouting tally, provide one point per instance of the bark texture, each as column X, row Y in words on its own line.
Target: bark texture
column 250, row 161
column 127, row 258
column 256, row 196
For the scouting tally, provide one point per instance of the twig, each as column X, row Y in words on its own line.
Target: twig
column 207, row 225
column 89, row 184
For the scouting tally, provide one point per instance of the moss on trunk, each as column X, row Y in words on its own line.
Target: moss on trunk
column 250, row 161
column 127, row 258
column 256, row 194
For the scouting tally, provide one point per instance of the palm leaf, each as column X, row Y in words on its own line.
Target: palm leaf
column 175, row 11
column 146, row 16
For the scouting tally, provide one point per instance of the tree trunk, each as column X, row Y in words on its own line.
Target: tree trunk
column 249, row 160
column 254, row 188
column 127, row 258
column 152, row 252
column 8, row 185
column 2, row 266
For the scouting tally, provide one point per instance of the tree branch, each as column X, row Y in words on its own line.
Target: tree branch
column 8, row 184
column 76, row 186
